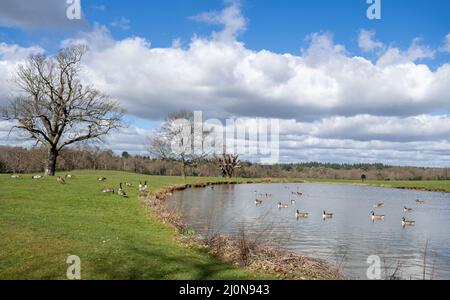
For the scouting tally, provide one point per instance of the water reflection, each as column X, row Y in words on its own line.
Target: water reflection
column 346, row 239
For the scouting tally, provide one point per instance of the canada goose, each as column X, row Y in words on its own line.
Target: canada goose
column 418, row 201
column 108, row 191
column 37, row 177
column 281, row 205
column 301, row 215
column 69, row 176
column 407, row 209
column 378, row 205
column 258, row 202
column 15, row 176
column 377, row 217
column 143, row 187
column 408, row 222
column 121, row 191
column 101, row 179
column 327, row 215
column 293, row 202
column 60, row 180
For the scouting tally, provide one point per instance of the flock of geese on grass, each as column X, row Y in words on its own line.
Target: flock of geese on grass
column 327, row 215
column 143, row 187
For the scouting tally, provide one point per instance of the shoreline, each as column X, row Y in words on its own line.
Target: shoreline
column 386, row 186
column 281, row 263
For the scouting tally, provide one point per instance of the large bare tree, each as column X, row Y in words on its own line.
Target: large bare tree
column 55, row 108
column 228, row 164
column 182, row 139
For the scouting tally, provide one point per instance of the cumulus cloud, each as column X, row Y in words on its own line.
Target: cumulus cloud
column 122, row 23
column 418, row 51
column 231, row 18
column 446, row 47
column 395, row 56
column 33, row 15
column 367, row 42
column 10, row 57
column 225, row 79
column 372, row 128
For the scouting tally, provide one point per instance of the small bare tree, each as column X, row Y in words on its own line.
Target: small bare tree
column 228, row 164
column 178, row 139
column 55, row 108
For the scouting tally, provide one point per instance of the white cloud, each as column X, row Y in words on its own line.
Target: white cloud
column 367, row 42
column 225, row 79
column 446, row 47
column 418, row 51
column 415, row 52
column 231, row 18
column 371, row 128
column 122, row 23
column 10, row 57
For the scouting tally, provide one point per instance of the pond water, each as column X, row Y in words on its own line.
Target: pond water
column 346, row 240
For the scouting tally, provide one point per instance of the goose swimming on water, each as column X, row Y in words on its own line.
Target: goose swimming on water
column 408, row 222
column 377, row 217
column 327, row 215
column 301, row 215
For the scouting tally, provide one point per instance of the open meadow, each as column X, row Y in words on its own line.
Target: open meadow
column 42, row 222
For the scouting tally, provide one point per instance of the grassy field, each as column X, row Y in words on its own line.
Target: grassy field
column 438, row 185
column 43, row 222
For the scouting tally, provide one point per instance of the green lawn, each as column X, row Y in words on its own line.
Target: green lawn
column 443, row 185
column 43, row 222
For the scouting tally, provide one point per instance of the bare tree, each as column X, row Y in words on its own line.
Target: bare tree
column 228, row 164
column 55, row 108
column 178, row 139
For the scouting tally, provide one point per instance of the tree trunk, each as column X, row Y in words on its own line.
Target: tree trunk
column 183, row 170
column 183, row 167
column 51, row 164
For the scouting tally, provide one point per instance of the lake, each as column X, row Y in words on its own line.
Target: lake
column 346, row 240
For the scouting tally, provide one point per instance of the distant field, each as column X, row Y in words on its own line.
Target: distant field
column 43, row 222
column 443, row 185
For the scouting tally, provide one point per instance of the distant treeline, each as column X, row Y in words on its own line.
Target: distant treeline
column 334, row 166
column 21, row 160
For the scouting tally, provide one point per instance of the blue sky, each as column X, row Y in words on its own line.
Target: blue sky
column 346, row 88
column 277, row 25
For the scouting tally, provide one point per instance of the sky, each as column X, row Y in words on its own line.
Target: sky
column 345, row 88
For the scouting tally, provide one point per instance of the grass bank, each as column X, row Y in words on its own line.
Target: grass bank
column 426, row 185
column 42, row 222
